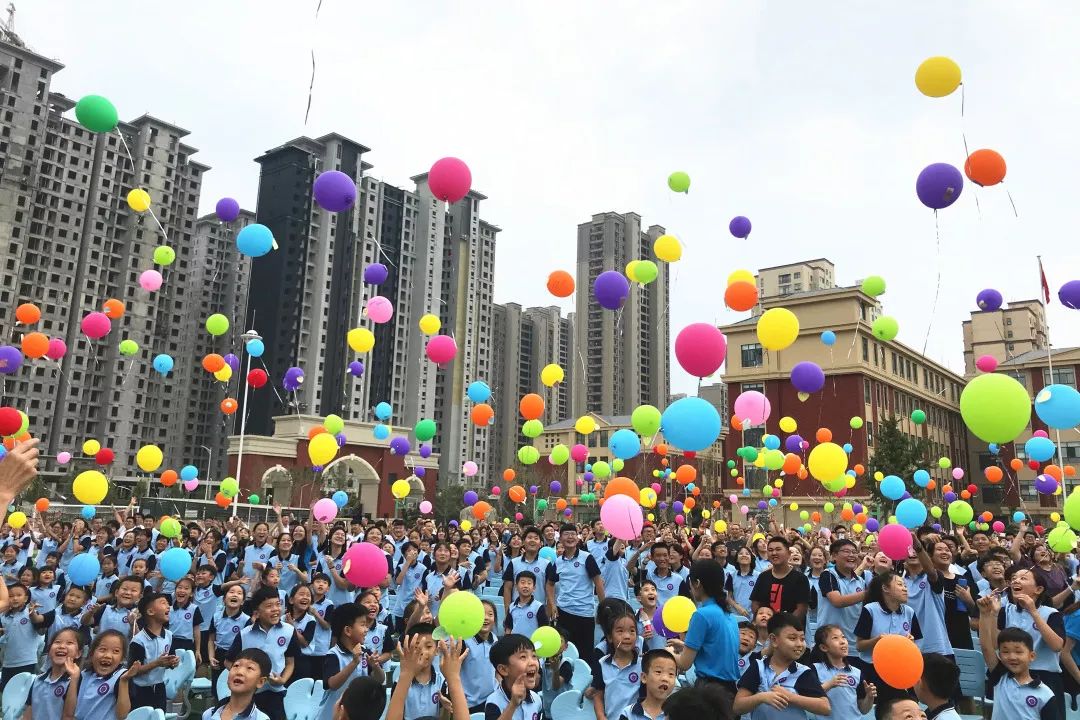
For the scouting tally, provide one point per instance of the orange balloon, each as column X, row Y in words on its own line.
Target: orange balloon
column 741, row 296
column 622, row 486
column 169, row 478
column 739, row 480
column 1053, row 471
column 27, row 313
column 736, row 423
column 229, row 406
column 35, row 344
column 931, row 484
column 516, row 494
column 660, row 449
column 222, row 501
column 985, row 167
column 482, row 414
column 1069, row 471
column 480, row 509
column 792, row 463
column 696, row 491
column 1016, row 464
column 685, row 474
column 965, row 495
column 802, row 474
column 815, row 516
column 824, row 435
column 847, row 514
column 689, row 504
column 573, row 501
column 560, row 504
column 509, row 474
column 897, row 661
column 859, row 469
column 664, row 462
column 42, row 505
column 113, row 309
column 993, row 474
column 213, row 362
column 317, row 430
column 715, row 503
column 946, row 488
column 560, row 284
column 531, row 406
column 860, row 518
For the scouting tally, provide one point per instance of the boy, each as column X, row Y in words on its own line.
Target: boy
column 848, row 695
column 527, row 613
column 246, row 676
column 278, row 640
column 659, row 675
column 65, row 616
column 556, row 674
column 747, row 644
column 347, row 659
column 117, row 616
column 427, row 686
column 152, row 647
column 937, row 684
column 1017, row 695
column 516, row 673
column 779, row 687
column 647, row 595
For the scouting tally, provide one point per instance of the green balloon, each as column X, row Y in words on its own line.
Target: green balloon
column 333, row 424
column 734, row 472
column 1061, row 539
column 547, row 641
column 170, row 527
column 935, row 511
column 96, row 114
column 995, row 407
column 164, row 255
column 944, row 463
column 541, row 505
column 253, row 499
column 217, row 324
column 532, row 428
column 1072, row 509
column 560, row 454
column 750, row 453
column 617, row 464
column 730, row 463
column 425, row 430
column 873, row 285
column 856, row 423
column 774, row 459
column 803, row 515
column 960, row 512
column 462, row 614
column 829, row 507
column 229, row 487
column 645, row 271
column 918, row 417
column 128, row 347
column 645, row 420
column 601, row 469
column 885, row 328
column 528, row 455
column 679, row 181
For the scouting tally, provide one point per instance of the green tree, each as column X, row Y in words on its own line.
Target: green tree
column 448, row 503
column 895, row 453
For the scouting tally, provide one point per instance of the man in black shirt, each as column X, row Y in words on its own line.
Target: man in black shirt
column 781, row 588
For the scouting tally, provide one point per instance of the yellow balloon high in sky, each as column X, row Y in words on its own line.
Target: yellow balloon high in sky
column 551, row 374
column 91, row 447
column 138, row 200
column 741, row 276
column 585, row 424
column 90, row 487
column 667, row 248
column 361, row 340
column 429, row 324
column 322, row 448
column 149, row 457
column 777, row 328
column 937, row 77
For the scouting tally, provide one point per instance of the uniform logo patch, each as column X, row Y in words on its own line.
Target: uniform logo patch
column 529, row 614
column 922, row 583
column 1031, row 701
column 236, row 629
column 103, row 689
column 851, row 681
column 58, row 691
column 670, row 586
column 281, row 642
column 634, row 677
column 906, row 626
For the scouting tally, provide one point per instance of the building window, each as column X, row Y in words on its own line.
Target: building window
column 866, row 391
column 865, row 350
column 758, row 387
column 751, row 355
column 1062, row 376
column 869, row 433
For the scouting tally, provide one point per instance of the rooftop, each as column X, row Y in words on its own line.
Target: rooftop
column 1035, row 356
column 613, row 420
column 800, row 262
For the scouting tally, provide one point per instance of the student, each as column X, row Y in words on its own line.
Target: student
column 348, row 658
column 849, row 695
column 300, row 616
column 659, row 676
column 740, row 582
column 322, row 606
column 780, row 687
column 20, row 636
column 712, row 640
column 48, row 695
column 117, row 615
column 529, row 560
column 185, row 619
column 556, row 674
column 617, row 675
column 527, row 613
column 1017, row 694
column 516, row 672
column 246, row 677
column 68, row 615
column 257, row 553
column 781, row 587
column 101, row 689
column 277, row 640
column 45, row 593
column 225, row 627
column 900, row 707
column 646, row 595
column 377, row 639
column 286, row 562
column 886, row 612
column 362, row 699
column 407, row 577
column 748, row 645
column 574, row 586
column 152, row 647
column 841, row 590
column 668, row 582
column 477, row 675
column 423, row 690
column 103, row 586
column 615, row 569
column 937, row 686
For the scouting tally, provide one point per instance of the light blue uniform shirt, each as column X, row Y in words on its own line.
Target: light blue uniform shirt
column 20, row 639
column 145, row 647
column 530, row 709
column 477, row 672
column 289, row 579
column 616, row 576
column 405, row 590
column 337, row 659
column 256, row 554
column 844, row 698
column 226, row 629
column 666, row 587
column 522, row 620
column 45, row 597
column 208, row 602
column 320, row 643
column 251, row 713
column 740, row 586
column 537, row 567
column 46, row 546
column 279, row 642
column 621, row 685
column 1013, row 701
column 114, row 618
column 376, row 639
column 573, row 576
column 935, row 636
column 103, row 586
column 97, row 695
column 876, row 619
column 46, row 698
column 182, row 621
column 714, row 634
column 1045, row 658
column 423, row 698
column 843, row 617
column 798, row 678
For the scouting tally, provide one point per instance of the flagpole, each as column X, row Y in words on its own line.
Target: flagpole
column 1044, row 295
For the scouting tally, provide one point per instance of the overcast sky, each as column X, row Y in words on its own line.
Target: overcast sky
column 801, row 115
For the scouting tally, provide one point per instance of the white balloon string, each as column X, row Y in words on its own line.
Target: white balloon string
column 937, row 289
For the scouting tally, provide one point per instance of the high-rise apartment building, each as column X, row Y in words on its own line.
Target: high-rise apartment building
column 1016, row 328
column 797, row 277
column 623, row 354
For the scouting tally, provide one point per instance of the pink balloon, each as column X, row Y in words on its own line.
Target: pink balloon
column 656, row 487
column 324, row 510
column 998, row 526
column 150, row 280
column 895, row 541
column 680, row 520
column 96, row 325
column 379, row 309
column 958, row 473
column 622, row 517
column 752, row 408
column 469, row 468
column 1040, row 433
column 449, row 179
column 63, row 457
column 700, row 348
column 743, row 509
column 496, row 490
column 190, row 485
column 733, row 498
column 425, row 506
column 441, row 349
column 57, row 349
column 579, row 453
column 986, row 363
column 364, row 564
column 519, row 517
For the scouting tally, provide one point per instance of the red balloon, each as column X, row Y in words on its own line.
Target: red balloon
column 257, row 378
column 104, row 456
column 10, row 421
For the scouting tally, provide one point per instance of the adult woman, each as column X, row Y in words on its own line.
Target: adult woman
column 287, row 563
column 712, row 640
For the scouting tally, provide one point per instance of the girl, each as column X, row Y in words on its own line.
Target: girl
column 377, row 639
column 101, row 689
column 305, row 620
column 340, row 590
column 229, row 620
column 477, row 672
column 185, row 619
column 287, row 563
column 817, row 565
column 20, row 636
column 956, row 597
column 270, row 577
column 849, row 696
column 885, row 612
column 741, row 583
column 28, row 576
column 433, row 582
column 304, row 549
column 210, row 553
column 612, row 687
column 48, row 699
column 761, row 627
column 761, row 556
column 103, row 585
column 46, row 593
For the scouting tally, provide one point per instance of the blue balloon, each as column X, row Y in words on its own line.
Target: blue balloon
column 163, row 363
column 993, row 448
column 548, row 553
column 175, row 563
column 1018, row 516
column 1039, row 448
column 1058, row 406
column 478, row 391
column 340, row 498
column 848, row 448
column 922, row 478
column 189, row 472
column 381, row 432
column 255, row 347
column 771, row 442
column 910, row 513
column 255, row 240
column 83, row 569
column 624, row 444
column 828, row 337
column 690, row 423
column 772, row 502
column 383, row 410
column 88, row 512
column 892, row 487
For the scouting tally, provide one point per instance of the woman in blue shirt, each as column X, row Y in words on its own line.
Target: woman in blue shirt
column 712, row 640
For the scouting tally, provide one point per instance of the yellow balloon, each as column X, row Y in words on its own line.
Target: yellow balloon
column 17, row 519
column 827, row 461
column 793, row 506
column 651, row 518
column 741, row 276
column 138, row 200
column 676, row 613
column 224, row 373
column 91, row 447
column 856, row 528
column 90, row 487
column 788, row 424
column 937, row 77
column 706, row 514
column 777, row 328
column 430, row 324
column 647, row 497
column 400, row 489
column 631, row 270
column 149, row 457
column 322, row 448
column 551, row 374
column 720, row 526
column 585, row 424
column 759, row 461
column 667, row 248
column 361, row 340
column 466, row 525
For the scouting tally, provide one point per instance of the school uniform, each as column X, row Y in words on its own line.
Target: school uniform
column 432, row 584
column 422, row 699
column 256, row 554
column 598, row 549
column 531, row 707
column 289, row 578
column 620, row 685
column 249, row 713
column 45, row 597
column 575, row 594
column 377, row 640
column 798, row 678
column 148, row 689
column 45, row 546
column 103, row 586
column 20, row 648
column 876, row 620
column 667, row 586
column 657, row 641
column 943, row 712
column 406, row 589
column 336, row 595
column 1013, row 701
column 182, row 623
column 637, row 712
column 225, row 630
column 110, row 617
column 46, row 698
column 320, row 640
column 124, row 562
column 921, row 599
column 614, row 570
column 525, row 619
column 740, row 586
column 477, row 672
column 844, row 698
column 97, row 695
column 515, row 566
column 336, row 660
column 308, row 663
column 831, row 580
column 58, row 619
column 279, row 642
column 1046, row 667
column 548, row 692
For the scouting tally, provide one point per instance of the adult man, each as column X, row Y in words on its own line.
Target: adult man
column 780, row 587
column 841, row 592
column 579, row 588
column 598, row 545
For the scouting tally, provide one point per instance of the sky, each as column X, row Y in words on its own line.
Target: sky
column 802, row 116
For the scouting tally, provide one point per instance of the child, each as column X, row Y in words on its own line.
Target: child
column 246, row 677
column 1017, row 694
column 748, row 645
column 101, row 690
column 103, row 587
column 779, row 686
column 363, row 699
column 186, row 619
column 20, row 651
column 347, row 659
column 937, row 685
column 557, row 673
column 225, row 628
column 422, row 697
column 659, row 675
column 477, row 675
column 324, row 608
column 68, row 615
column 516, row 673
column 646, row 595
column 46, row 592
column 761, row 626
column 10, row 567
column 118, row 615
column 48, row 698
column 301, row 617
column 527, row 613
column 886, row 612
column 377, row 638
column 848, row 695
column 278, row 640
column 152, row 648
column 617, row 677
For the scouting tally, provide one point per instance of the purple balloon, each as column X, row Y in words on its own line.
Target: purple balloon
column 807, row 377
column 10, row 359
column 425, row 450
column 739, row 226
column 1069, row 294
column 611, row 289
column 400, row 446
column 663, row 506
column 334, row 191
column 587, row 477
column 341, row 440
column 567, row 512
column 936, row 527
column 857, row 508
column 233, row 362
column 419, row 472
column 793, row 443
column 905, row 496
column 950, row 496
column 872, row 524
column 470, row 498
column 1046, row 485
column 294, row 378
column 454, row 523
column 227, row 209
column 677, row 506
column 533, row 489
column 658, row 624
column 356, row 368
column 989, row 299
column 939, row 186
column 555, row 487
column 316, row 468
column 375, row 273
column 762, row 505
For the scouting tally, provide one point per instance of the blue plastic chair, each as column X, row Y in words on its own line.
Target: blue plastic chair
column 179, row 677
column 301, row 703
column 15, row 694
column 146, row 713
column 582, row 676
column 972, row 673
column 222, row 686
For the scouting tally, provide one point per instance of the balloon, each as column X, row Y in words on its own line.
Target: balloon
column 379, row 309
column 989, row 299
column 163, row 363
column 937, row 77
column 478, row 391
column 189, row 472
column 777, row 328
column 96, row 325
column 16, row 519
column 41, row 505
column 700, row 348
column 1039, row 449
column 96, row 114
column 425, row 430
column 449, row 179
column 138, row 200
column 63, row 457
column 985, row 167
column 150, row 280
column 10, row 359
column 361, row 340
column 752, row 408
column 910, row 513
column 827, row 461
column 645, row 271
column 325, row 510
column 88, row 512
column 547, row 641
column 217, row 324
column 579, row 453
column 175, row 563
column 676, row 613
column 645, row 420
column 255, row 240
column 212, row 362
column 229, row 487
column 828, row 338
column 227, row 209
column 531, row 406
column 91, row 447
column 461, row 614
column 516, row 494
column 741, row 296
column 1046, row 484
column 885, row 328
column 898, row 661
column 469, row 468
column 667, row 248
column 1058, row 406
column 364, row 565
column 739, row 227
column 960, row 512
column 585, row 424
column 255, row 347
column 90, row 487
column 895, row 541
column 622, row 517
column 293, row 379
column 441, row 349
column 170, row 527
column 35, row 345
column 383, row 411
column 322, row 448
column 559, row 454
column 27, row 313
column 224, row 374
column 1061, row 539
column 149, row 458
column 855, row 423
column 679, row 182
column 611, row 289
column 83, row 569
column 551, row 374
column 532, row 428
column 482, row 415
column 918, row 416
column 481, row 509
column 10, row 421
column 995, row 407
column 892, row 487
column 691, row 423
column 988, row 363
column 939, row 185
column 528, row 455
column 560, row 284
column 807, row 377
column 1069, row 294
column 334, row 191
column 356, row 368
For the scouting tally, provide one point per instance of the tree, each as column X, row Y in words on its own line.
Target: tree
column 448, row 503
column 896, row 453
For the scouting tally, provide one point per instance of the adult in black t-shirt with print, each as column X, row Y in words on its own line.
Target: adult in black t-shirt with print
column 781, row 588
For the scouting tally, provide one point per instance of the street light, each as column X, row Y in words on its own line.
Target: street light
column 246, row 337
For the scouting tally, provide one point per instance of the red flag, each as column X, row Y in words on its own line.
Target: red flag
column 1045, row 285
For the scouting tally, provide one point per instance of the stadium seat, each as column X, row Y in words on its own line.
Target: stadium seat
column 582, row 676
column 146, row 713
column 223, row 686
column 16, row 694
column 972, row 673
column 572, row 706
column 300, row 703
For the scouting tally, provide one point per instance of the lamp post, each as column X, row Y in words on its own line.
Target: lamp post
column 247, row 337
column 209, row 460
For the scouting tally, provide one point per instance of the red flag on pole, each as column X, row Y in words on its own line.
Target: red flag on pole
column 1045, row 285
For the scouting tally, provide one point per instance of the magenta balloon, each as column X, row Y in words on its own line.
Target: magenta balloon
column 895, row 541
column 425, row 506
column 334, row 191
column 449, row 179
column 579, row 453
column 227, row 209
column 96, row 325
column 441, row 349
column 939, row 186
column 700, row 348
column 611, row 289
column 807, row 377
column 986, row 363
column 57, row 349
column 622, row 517
column 752, row 407
column 364, row 565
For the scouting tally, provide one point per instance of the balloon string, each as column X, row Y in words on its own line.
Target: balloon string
column 937, row 290
column 1012, row 202
column 311, row 87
